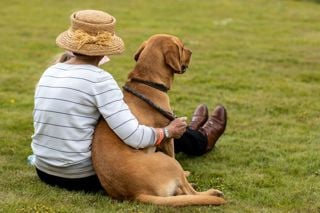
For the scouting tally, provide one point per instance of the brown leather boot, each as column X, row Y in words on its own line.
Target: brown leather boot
column 215, row 126
column 200, row 116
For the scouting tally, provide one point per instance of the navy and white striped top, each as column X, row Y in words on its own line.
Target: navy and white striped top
column 69, row 100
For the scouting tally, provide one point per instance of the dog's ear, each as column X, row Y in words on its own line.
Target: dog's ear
column 173, row 57
column 137, row 54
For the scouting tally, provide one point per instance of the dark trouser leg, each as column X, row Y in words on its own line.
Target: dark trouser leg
column 192, row 143
column 87, row 184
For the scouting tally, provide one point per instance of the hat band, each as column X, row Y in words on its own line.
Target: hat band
column 81, row 38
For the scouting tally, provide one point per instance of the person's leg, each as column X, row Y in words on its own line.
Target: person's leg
column 191, row 143
column 87, row 184
column 203, row 131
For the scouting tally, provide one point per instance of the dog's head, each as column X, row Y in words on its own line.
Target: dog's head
column 167, row 49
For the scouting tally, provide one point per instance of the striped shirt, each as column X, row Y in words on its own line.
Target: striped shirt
column 69, row 100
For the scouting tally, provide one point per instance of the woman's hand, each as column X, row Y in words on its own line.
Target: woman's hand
column 177, row 127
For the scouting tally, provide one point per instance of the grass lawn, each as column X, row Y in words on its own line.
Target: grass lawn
column 259, row 58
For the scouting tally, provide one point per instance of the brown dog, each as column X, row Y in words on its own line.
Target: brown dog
column 149, row 177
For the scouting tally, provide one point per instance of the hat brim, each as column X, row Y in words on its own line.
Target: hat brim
column 115, row 46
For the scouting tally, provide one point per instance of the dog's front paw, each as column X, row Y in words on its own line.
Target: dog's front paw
column 215, row 192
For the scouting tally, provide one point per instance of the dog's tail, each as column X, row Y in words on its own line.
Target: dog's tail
column 182, row 200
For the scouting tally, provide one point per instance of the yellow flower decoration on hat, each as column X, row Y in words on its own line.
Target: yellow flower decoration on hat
column 81, row 38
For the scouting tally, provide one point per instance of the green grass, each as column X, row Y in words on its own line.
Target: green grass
column 259, row 58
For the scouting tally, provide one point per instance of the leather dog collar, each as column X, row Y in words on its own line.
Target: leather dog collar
column 155, row 85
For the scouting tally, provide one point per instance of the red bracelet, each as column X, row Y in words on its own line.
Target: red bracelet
column 160, row 135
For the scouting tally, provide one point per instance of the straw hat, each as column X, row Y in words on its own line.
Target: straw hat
column 92, row 32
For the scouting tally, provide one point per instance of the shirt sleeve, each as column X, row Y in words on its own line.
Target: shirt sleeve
column 109, row 100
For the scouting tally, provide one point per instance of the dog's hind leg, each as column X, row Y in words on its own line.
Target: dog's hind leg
column 182, row 200
column 186, row 188
column 186, row 173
